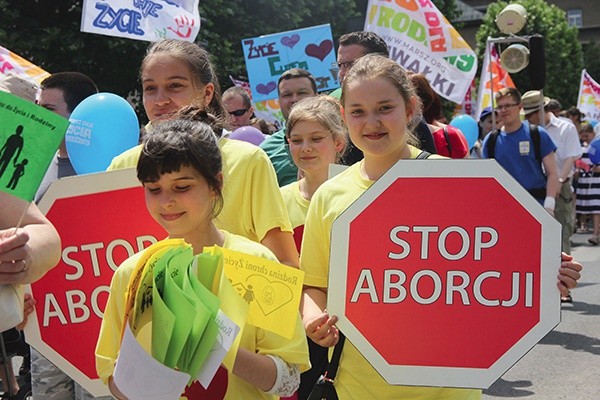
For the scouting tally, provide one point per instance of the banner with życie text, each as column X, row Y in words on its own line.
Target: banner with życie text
column 142, row 19
column 422, row 40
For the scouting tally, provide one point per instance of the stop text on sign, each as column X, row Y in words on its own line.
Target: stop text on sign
column 484, row 237
column 77, row 305
column 427, row 286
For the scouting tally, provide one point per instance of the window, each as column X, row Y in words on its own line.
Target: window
column 574, row 17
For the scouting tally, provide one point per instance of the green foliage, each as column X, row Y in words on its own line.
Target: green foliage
column 448, row 8
column 591, row 59
column 47, row 33
column 562, row 49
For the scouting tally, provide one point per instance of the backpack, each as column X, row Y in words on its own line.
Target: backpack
column 535, row 138
column 538, row 193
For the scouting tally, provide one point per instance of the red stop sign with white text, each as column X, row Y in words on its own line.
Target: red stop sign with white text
column 102, row 220
column 444, row 273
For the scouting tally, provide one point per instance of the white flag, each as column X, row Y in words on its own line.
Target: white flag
column 142, row 19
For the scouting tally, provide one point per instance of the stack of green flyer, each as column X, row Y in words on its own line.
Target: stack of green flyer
column 178, row 301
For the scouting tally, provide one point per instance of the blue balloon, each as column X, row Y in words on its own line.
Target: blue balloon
column 593, row 123
column 101, row 127
column 594, row 151
column 468, row 127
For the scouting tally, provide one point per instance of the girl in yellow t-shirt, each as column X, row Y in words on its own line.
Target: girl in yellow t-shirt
column 180, row 169
column 317, row 136
column 378, row 104
column 175, row 74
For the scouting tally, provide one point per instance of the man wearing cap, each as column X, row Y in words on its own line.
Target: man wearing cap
column 568, row 149
column 485, row 126
column 514, row 149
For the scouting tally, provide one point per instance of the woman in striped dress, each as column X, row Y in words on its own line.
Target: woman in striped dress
column 588, row 190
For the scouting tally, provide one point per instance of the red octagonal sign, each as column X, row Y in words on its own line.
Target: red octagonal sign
column 443, row 273
column 102, row 220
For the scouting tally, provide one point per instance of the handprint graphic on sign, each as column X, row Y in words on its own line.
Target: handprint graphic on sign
column 185, row 27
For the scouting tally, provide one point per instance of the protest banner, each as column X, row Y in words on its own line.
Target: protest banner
column 142, row 19
column 269, row 56
column 102, row 220
column 422, row 40
column 29, row 138
column 17, row 65
column 493, row 78
column 437, row 298
column 588, row 101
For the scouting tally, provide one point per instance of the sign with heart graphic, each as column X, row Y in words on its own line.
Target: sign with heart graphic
column 269, row 56
column 290, row 41
column 266, row 89
column 319, row 51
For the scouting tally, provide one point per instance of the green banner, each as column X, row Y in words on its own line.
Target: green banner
column 29, row 137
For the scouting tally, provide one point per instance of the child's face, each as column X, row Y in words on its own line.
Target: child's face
column 376, row 116
column 168, row 86
column 586, row 137
column 313, row 147
column 181, row 202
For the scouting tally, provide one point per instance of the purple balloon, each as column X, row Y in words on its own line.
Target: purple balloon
column 248, row 134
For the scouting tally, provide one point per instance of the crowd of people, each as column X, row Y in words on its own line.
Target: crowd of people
column 276, row 201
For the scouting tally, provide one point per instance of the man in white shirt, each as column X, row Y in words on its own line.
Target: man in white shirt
column 564, row 135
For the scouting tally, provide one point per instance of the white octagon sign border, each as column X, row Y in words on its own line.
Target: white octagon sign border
column 446, row 376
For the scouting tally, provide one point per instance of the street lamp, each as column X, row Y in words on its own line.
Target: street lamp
column 517, row 56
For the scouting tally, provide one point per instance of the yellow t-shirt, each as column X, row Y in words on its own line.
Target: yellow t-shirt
column 297, row 207
column 252, row 202
column 294, row 351
column 356, row 378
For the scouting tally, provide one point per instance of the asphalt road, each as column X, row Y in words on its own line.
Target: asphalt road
column 566, row 363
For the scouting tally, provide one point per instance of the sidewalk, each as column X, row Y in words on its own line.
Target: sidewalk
column 565, row 364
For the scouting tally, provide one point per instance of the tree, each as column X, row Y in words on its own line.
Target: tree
column 228, row 22
column 591, row 59
column 562, row 49
column 47, row 33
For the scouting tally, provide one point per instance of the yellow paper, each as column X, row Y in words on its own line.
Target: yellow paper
column 136, row 276
column 142, row 305
column 232, row 305
column 271, row 290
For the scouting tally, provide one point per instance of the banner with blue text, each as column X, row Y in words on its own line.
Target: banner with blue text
column 142, row 19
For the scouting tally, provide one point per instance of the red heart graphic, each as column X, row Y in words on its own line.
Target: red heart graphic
column 319, row 51
column 216, row 390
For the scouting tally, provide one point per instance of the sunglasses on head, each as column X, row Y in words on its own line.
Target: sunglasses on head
column 238, row 113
